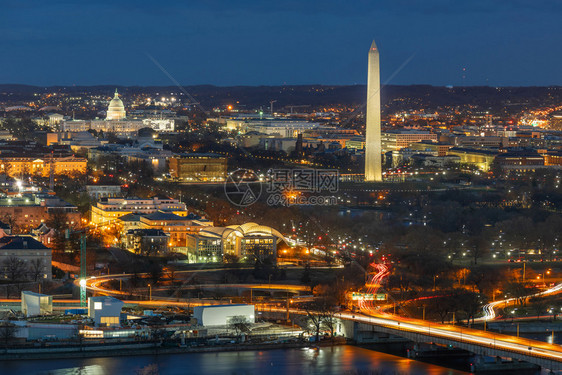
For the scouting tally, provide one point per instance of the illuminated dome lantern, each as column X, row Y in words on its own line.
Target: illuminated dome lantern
column 116, row 109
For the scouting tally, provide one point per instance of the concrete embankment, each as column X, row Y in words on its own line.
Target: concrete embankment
column 109, row 350
column 526, row 327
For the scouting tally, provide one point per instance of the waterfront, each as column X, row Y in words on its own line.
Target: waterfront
column 329, row 360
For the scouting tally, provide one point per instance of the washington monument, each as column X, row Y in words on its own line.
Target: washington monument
column 373, row 149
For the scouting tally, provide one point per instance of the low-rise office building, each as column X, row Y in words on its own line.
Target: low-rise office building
column 105, row 311
column 28, row 211
column 103, row 191
column 147, row 241
column 24, row 258
column 521, row 160
column 397, row 139
column 108, row 210
column 198, row 167
column 16, row 166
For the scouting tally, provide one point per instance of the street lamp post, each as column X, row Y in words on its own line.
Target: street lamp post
column 149, row 292
column 434, row 277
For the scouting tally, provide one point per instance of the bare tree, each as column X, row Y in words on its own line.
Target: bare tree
column 239, row 324
column 7, row 332
column 36, row 267
column 14, row 268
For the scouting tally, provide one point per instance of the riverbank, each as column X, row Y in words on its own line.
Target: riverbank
column 140, row 349
column 336, row 360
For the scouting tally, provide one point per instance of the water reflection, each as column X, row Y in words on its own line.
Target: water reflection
column 330, row 360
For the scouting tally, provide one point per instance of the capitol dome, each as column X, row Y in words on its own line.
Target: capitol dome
column 116, row 109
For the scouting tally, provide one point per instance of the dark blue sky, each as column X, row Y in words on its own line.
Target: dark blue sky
column 263, row 42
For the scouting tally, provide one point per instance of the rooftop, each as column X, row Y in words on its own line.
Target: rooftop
column 21, row 243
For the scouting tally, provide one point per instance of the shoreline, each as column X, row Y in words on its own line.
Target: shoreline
column 121, row 350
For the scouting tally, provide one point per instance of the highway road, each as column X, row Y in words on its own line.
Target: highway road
column 456, row 334
column 483, row 339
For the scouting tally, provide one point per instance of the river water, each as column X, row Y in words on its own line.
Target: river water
column 347, row 360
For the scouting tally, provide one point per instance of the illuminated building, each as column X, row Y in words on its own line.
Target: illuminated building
column 485, row 142
column 288, row 128
column 147, row 241
column 29, row 211
column 435, row 148
column 373, row 158
column 552, row 158
column 105, row 311
column 520, row 160
column 103, row 191
column 107, row 210
column 480, row 158
column 177, row 227
column 17, row 166
column 249, row 242
column 116, row 109
column 116, row 122
column 198, row 167
column 398, row 139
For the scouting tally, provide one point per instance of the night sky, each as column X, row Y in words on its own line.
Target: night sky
column 263, row 42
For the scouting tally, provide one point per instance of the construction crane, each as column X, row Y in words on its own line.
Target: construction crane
column 83, row 270
column 83, row 273
column 297, row 106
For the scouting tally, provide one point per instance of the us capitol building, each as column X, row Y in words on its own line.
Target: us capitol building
column 116, row 122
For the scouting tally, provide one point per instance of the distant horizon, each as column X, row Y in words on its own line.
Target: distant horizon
column 272, row 85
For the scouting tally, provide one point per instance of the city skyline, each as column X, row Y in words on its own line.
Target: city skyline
column 440, row 43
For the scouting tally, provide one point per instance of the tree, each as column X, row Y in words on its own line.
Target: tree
column 58, row 221
column 555, row 303
column 231, row 258
column 539, row 305
column 240, row 324
column 470, row 303
column 485, row 278
column 36, row 269
column 479, row 245
column 146, row 132
column 156, row 272
column 14, row 268
column 519, row 291
column 440, row 306
column 7, row 332
column 305, row 278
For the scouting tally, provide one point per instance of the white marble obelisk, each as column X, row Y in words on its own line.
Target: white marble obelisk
column 373, row 149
